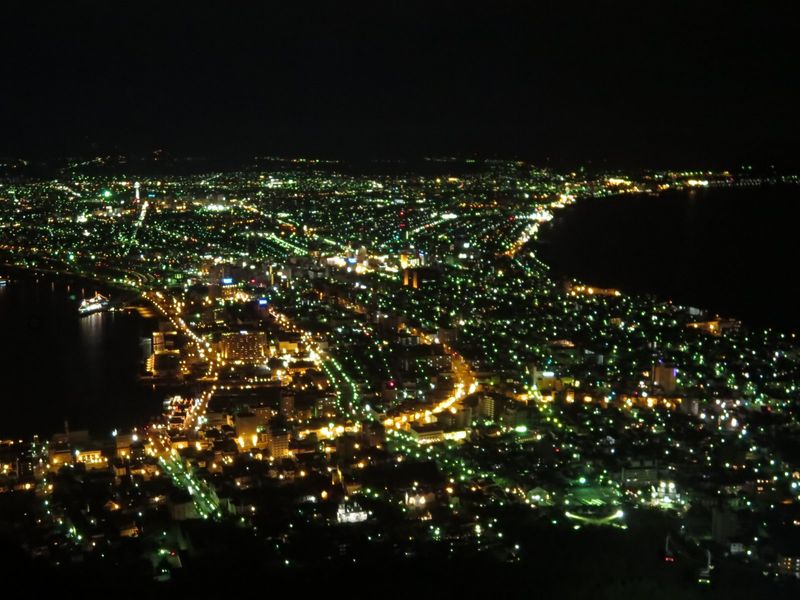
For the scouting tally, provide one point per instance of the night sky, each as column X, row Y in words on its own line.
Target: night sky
column 661, row 84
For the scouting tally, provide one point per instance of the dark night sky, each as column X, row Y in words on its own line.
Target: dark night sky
column 664, row 83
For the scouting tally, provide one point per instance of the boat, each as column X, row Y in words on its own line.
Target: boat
column 96, row 303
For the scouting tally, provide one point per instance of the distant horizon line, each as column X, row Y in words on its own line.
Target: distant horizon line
column 711, row 165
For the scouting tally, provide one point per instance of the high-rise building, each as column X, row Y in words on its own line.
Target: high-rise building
column 486, row 406
column 287, row 405
column 278, row 442
column 245, row 346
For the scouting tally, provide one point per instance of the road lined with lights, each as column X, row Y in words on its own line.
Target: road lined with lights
column 161, row 441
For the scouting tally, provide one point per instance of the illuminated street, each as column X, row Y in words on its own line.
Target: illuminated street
column 465, row 301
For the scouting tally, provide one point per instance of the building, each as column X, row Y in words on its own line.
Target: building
column 278, row 442
column 164, row 340
column 92, row 459
column 447, row 335
column 9, row 461
column 166, row 363
column 228, row 288
column 288, row 343
column 789, row 565
column 428, row 433
column 124, row 443
column 410, row 278
column 487, row 406
column 326, row 406
column 287, row 405
column 244, row 346
column 581, row 290
column 218, row 418
column 408, row 339
column 146, row 345
column 247, row 427
column 431, row 356
column 665, row 377
column 456, row 419
column 640, row 474
column 786, row 545
column 350, row 512
column 716, row 327
column 419, row 499
column 59, row 456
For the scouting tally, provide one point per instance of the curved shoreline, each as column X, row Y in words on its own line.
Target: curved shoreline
column 9, row 268
column 582, row 266
column 129, row 401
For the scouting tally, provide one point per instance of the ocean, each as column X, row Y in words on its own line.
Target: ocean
column 57, row 366
column 731, row 250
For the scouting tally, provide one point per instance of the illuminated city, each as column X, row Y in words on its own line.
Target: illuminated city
column 349, row 367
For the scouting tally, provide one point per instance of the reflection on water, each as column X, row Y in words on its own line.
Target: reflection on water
column 92, row 328
column 57, row 365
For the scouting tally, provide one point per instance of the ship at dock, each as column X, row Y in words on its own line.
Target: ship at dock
column 96, row 303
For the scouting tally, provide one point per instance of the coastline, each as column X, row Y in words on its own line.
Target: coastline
column 99, row 372
column 583, row 242
column 103, row 285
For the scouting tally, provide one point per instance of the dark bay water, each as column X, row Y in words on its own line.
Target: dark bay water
column 56, row 365
column 731, row 250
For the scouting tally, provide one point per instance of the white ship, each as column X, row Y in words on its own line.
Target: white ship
column 94, row 304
